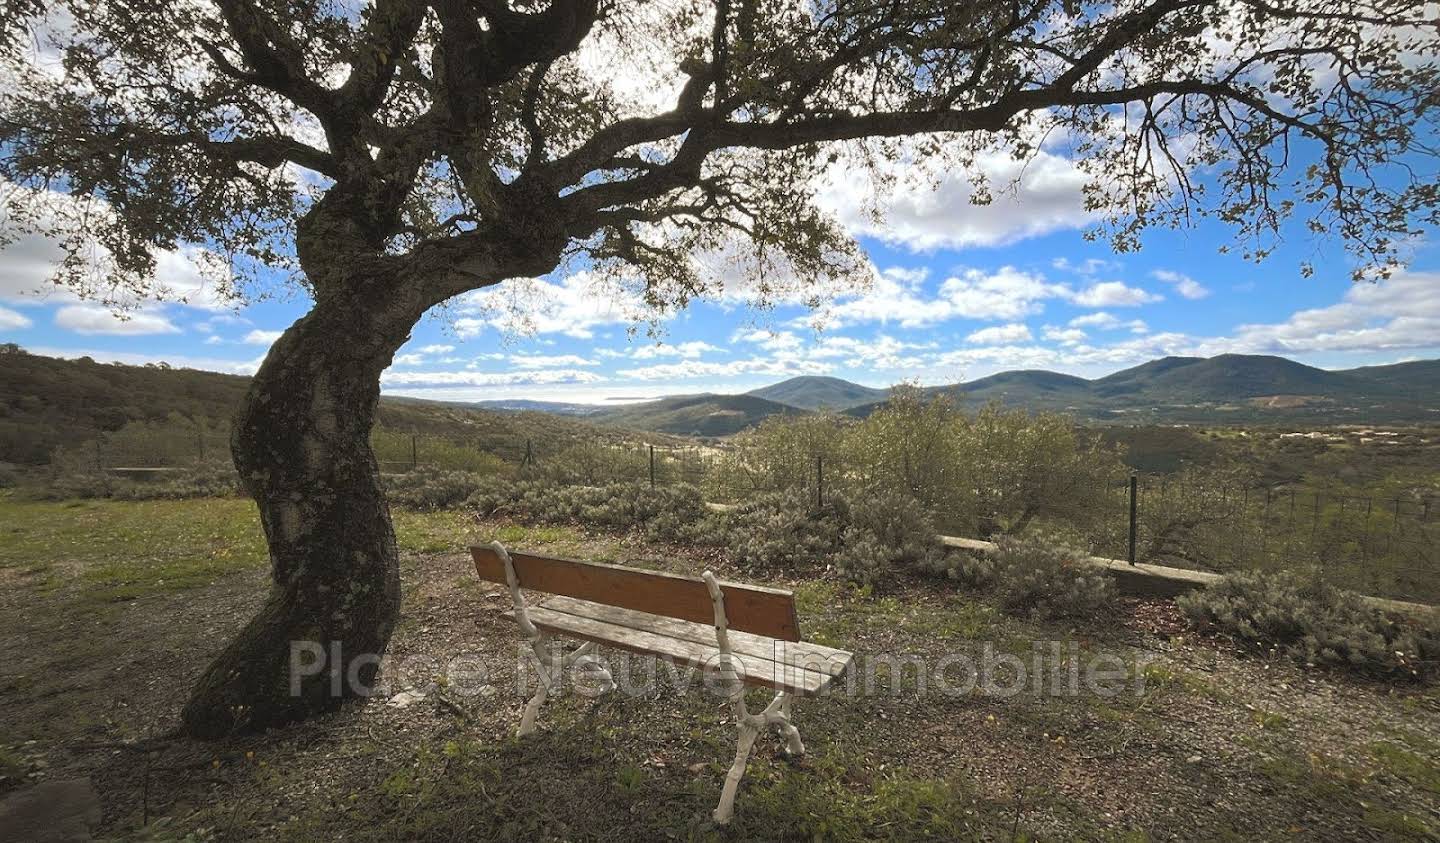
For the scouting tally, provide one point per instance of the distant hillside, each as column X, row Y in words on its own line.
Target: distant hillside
column 811, row 392
column 1229, row 388
column 1021, row 387
column 46, row 402
column 1417, row 375
column 696, row 415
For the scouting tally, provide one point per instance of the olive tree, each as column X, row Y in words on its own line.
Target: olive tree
column 392, row 155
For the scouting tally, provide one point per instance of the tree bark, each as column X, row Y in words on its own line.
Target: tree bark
column 302, row 447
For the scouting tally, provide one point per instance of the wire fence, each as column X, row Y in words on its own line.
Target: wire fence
column 1385, row 545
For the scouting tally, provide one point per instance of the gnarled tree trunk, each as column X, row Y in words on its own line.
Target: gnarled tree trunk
column 302, row 446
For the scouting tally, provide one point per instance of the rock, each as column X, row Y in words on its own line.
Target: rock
column 405, row 698
column 51, row 812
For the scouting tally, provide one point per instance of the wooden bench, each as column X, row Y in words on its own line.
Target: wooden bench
column 745, row 634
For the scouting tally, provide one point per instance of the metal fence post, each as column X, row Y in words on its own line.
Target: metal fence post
column 652, row 466
column 414, row 451
column 1134, row 511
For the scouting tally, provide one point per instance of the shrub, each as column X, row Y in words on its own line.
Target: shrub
column 781, row 529
column 1042, row 579
column 429, row 488
column 594, row 464
column 1296, row 613
column 666, row 513
column 772, row 530
column 212, row 480
column 970, row 569
column 891, row 530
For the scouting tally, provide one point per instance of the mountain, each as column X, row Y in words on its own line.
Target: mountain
column 696, row 415
column 1023, row 386
column 813, row 392
column 1416, row 375
column 1229, row 388
column 1228, row 377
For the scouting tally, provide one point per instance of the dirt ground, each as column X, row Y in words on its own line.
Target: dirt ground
column 1201, row 742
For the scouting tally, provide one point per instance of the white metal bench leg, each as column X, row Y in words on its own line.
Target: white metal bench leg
column 552, row 671
column 794, row 747
column 532, row 710
column 552, row 675
column 547, row 674
column 776, row 715
column 726, row 809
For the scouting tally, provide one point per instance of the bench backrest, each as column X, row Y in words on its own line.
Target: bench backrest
column 748, row 608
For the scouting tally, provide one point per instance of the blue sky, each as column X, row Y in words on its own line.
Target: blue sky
column 960, row 292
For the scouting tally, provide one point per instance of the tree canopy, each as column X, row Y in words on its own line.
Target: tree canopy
column 472, row 140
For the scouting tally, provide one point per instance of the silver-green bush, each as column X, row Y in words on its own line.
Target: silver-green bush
column 1317, row 624
column 430, row 488
column 1039, row 578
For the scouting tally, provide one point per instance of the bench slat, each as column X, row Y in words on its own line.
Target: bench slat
column 756, row 670
column 749, row 608
column 803, row 654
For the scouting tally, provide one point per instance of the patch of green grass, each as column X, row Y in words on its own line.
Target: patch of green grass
column 1270, row 720
column 1394, row 824
column 835, row 613
column 1420, row 770
column 529, row 535
column 1322, row 777
column 441, row 531
column 121, row 550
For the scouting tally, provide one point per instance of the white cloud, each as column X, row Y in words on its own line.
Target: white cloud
column 1184, row 285
column 30, row 260
column 13, row 321
column 686, row 350
column 408, row 360
column 550, row 361
column 1104, row 321
column 898, row 296
column 1100, row 319
column 95, row 319
column 259, row 337
column 436, row 349
column 769, row 340
column 575, row 306
column 923, row 212
column 1001, row 334
column 1007, row 293
column 1064, row 336
column 1087, row 267
column 1402, row 312
column 689, row 369
column 1113, row 294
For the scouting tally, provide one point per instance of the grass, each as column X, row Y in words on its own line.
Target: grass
column 123, row 550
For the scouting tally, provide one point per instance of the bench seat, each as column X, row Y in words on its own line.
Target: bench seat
column 799, row 667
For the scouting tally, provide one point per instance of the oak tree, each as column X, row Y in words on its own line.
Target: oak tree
column 390, row 156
